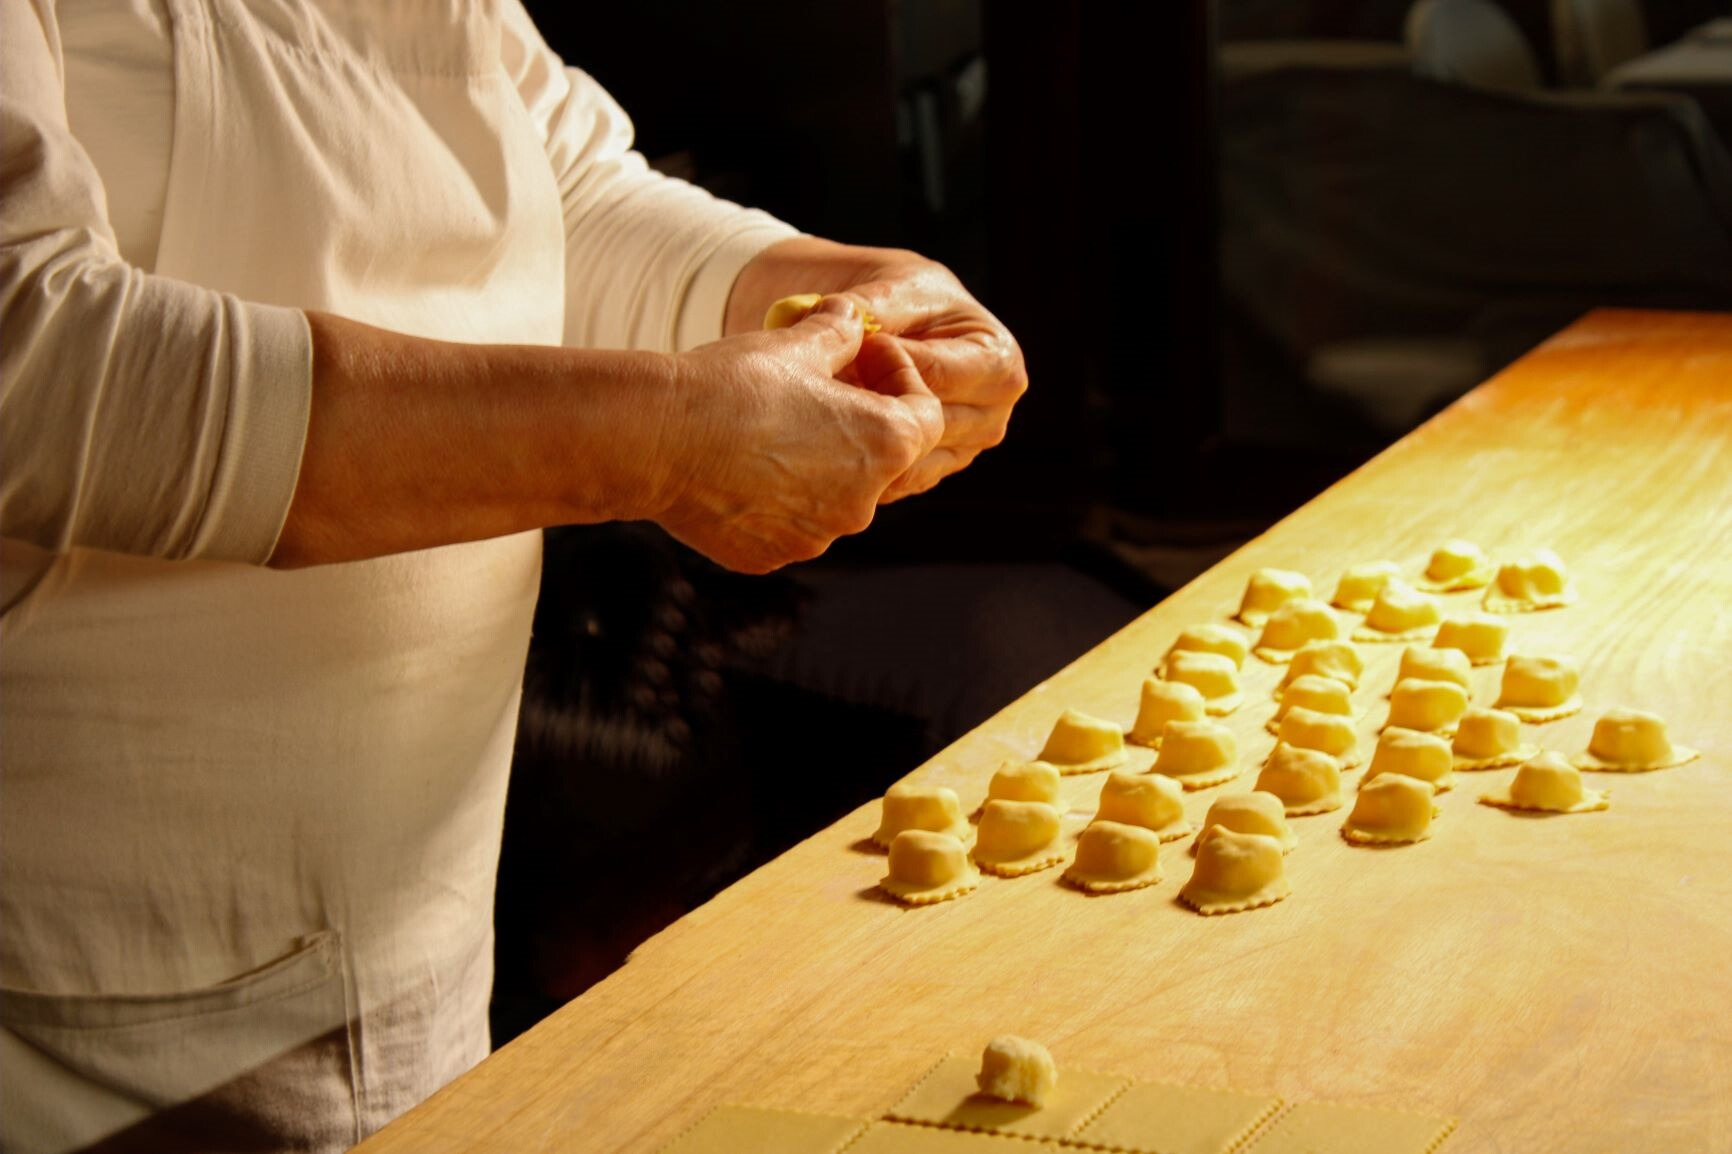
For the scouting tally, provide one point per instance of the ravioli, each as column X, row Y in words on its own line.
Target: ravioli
column 1435, row 665
column 1400, row 613
column 1026, row 781
column 1307, row 781
column 1546, row 783
column 1083, row 743
column 1540, row 689
column 1268, row 590
column 1255, row 812
column 1151, row 800
column 1428, row 706
column 1489, row 739
column 1422, row 756
column 1328, row 732
column 1112, row 857
column 1198, row 754
column 1235, row 872
column 1336, row 659
column 1017, row 837
column 1457, row 565
column 1221, row 639
column 1164, row 701
column 1294, row 625
column 1481, row 636
column 1315, row 692
column 927, row 867
column 1632, row 741
column 928, row 807
column 1211, row 674
column 1537, row 581
column 1391, row 810
column 1360, row 584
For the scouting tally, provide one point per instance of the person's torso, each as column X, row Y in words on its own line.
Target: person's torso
column 214, row 771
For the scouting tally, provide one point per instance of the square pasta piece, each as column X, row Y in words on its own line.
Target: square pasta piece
column 1155, row 1118
column 948, row 1096
column 1323, row 1128
column 910, row 1138
column 750, row 1130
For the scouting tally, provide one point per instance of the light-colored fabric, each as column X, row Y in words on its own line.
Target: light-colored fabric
column 1470, row 42
column 209, row 765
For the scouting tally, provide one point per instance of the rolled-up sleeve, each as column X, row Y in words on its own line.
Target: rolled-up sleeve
column 650, row 260
column 138, row 413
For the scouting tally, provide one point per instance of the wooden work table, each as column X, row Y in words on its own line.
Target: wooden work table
column 1558, row 984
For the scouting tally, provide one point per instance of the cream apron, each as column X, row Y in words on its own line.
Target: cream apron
column 249, row 820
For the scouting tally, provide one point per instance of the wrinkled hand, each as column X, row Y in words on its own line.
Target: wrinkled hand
column 772, row 457
column 963, row 354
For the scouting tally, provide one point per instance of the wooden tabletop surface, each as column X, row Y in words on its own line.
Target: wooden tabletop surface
column 1558, row 984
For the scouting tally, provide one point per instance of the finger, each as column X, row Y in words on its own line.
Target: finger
column 836, row 322
column 925, row 473
column 885, row 368
column 977, row 368
column 972, row 427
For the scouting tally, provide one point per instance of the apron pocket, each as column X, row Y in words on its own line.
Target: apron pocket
column 260, row 1062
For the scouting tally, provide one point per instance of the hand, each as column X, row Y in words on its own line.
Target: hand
column 772, row 457
column 959, row 349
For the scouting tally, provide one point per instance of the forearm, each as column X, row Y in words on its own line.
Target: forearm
column 415, row 443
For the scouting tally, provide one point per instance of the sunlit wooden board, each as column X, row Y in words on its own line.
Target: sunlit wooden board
column 1557, row 984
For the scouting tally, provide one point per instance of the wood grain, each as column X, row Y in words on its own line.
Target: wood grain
column 1560, row 984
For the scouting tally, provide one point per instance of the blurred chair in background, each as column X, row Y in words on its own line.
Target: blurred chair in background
column 1469, row 42
column 1592, row 37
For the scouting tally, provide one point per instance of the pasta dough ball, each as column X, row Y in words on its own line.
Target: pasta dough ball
column 1211, row 674
column 1315, row 692
column 1549, row 784
column 1017, row 1070
column 1391, row 810
column 1294, row 624
column 1336, row 659
column 792, row 310
column 1457, row 564
column 1222, row 639
column 1164, row 701
column 1234, row 872
column 1360, row 584
column 1017, row 837
column 1540, row 688
column 1306, row 780
column 929, row 807
column 1255, row 812
column 1327, row 732
column 1112, row 857
column 1081, row 743
column 1479, row 635
column 1632, row 741
column 1198, row 754
column 1429, row 706
column 1435, row 665
column 1538, row 581
column 927, row 867
column 1150, row 800
column 1026, row 781
column 1488, row 739
column 1268, row 590
column 1421, row 756
column 1400, row 613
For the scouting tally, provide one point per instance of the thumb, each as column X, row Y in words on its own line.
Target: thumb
column 837, row 322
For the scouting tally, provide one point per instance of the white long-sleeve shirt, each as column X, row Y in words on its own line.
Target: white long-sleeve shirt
column 249, row 819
